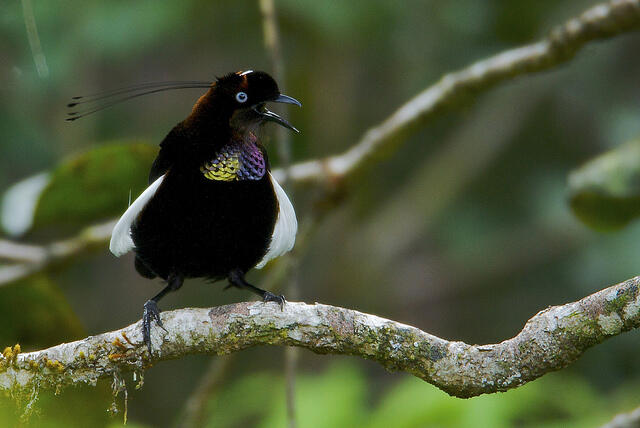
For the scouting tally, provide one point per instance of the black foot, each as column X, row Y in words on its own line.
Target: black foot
column 150, row 313
column 278, row 298
column 236, row 279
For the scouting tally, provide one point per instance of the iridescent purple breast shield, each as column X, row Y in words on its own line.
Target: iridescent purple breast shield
column 238, row 160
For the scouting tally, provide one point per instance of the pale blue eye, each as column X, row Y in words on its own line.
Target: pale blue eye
column 241, row 97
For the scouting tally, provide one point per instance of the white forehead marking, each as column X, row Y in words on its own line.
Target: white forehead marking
column 244, row 73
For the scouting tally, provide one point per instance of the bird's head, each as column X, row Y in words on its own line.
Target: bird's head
column 236, row 101
column 241, row 99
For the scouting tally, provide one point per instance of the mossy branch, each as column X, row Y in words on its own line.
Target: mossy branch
column 551, row 340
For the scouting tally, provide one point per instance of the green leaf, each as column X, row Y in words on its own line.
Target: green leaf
column 36, row 314
column 94, row 185
column 605, row 192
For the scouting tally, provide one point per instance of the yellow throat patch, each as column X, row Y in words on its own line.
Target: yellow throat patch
column 225, row 169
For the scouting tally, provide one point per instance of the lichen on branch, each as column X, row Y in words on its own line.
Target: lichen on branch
column 551, row 340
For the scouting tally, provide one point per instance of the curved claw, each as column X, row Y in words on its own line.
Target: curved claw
column 149, row 314
column 277, row 298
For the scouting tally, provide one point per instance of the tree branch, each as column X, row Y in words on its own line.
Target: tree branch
column 597, row 23
column 551, row 340
column 273, row 46
column 194, row 414
column 44, row 257
column 15, row 251
column 625, row 420
column 34, row 40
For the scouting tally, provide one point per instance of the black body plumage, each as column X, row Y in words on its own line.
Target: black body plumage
column 196, row 227
column 212, row 209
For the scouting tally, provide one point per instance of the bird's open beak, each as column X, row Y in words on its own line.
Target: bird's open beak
column 272, row 117
column 286, row 99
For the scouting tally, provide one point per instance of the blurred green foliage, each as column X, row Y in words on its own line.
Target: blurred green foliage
column 501, row 248
column 605, row 192
column 341, row 396
column 94, row 185
column 72, row 409
column 35, row 313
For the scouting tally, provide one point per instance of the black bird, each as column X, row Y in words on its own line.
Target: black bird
column 212, row 208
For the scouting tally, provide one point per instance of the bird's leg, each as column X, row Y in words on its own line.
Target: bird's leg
column 151, row 311
column 236, row 279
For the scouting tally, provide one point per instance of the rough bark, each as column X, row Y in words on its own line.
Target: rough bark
column 551, row 340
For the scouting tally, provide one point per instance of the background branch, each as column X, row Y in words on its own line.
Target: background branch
column 50, row 255
column 55, row 253
column 625, row 420
column 16, row 251
column 283, row 140
column 599, row 22
column 551, row 340
column 34, row 40
column 194, row 414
